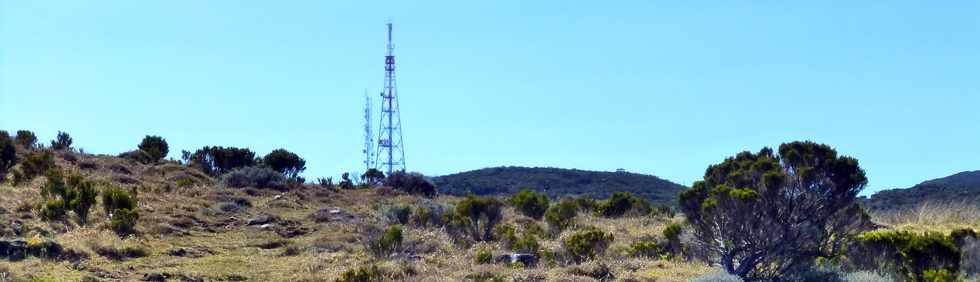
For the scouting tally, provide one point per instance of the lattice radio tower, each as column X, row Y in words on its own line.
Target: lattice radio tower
column 391, row 151
column 368, row 135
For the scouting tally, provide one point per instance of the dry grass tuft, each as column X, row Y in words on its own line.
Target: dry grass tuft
column 932, row 216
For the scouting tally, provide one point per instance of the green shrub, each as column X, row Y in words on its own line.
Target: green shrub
column 391, row 240
column 530, row 203
column 587, row 243
column 8, row 154
column 255, row 177
column 285, row 162
column 586, row 204
column 61, row 142
column 82, row 199
column 532, row 228
column 621, row 203
column 155, row 147
column 646, row 249
column 361, row 274
column 673, row 235
column 915, row 256
column 217, row 160
column 429, row 214
column 412, row 183
column 53, row 209
column 373, row 176
column 75, row 194
column 484, row 256
column 36, row 164
column 121, row 208
column 479, row 216
column 114, row 198
column 185, row 182
column 506, row 234
column 528, row 244
column 561, row 215
column 397, row 214
column 26, row 139
column 123, row 221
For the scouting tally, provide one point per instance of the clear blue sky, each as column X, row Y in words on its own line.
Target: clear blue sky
column 658, row 87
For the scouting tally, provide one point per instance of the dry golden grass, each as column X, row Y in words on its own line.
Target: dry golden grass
column 932, row 216
column 219, row 246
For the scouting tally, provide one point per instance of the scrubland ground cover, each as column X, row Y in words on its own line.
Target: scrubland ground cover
column 224, row 214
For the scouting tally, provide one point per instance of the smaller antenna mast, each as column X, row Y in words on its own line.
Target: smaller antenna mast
column 368, row 135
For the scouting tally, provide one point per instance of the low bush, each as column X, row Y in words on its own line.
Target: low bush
column 391, row 240
column 527, row 244
column 673, row 235
column 36, row 164
column 362, row 274
column 121, row 208
column 412, row 183
column 123, row 221
column 561, row 215
column 646, row 249
column 383, row 242
column 478, row 216
column 373, row 177
column 530, row 203
column 929, row 256
column 484, row 256
column 154, row 147
column 285, row 162
column 62, row 142
column 621, row 203
column 255, row 177
column 397, row 214
column 26, row 139
column 345, row 181
column 217, row 160
column 587, row 243
column 8, row 154
column 75, row 194
column 429, row 214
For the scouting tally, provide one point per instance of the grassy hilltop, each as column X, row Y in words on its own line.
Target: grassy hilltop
column 227, row 214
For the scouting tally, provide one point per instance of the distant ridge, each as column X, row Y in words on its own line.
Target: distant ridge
column 963, row 187
column 558, row 182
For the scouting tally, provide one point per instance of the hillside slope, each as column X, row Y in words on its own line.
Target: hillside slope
column 558, row 182
column 963, row 187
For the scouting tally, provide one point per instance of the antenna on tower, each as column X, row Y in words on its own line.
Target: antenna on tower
column 368, row 135
column 391, row 151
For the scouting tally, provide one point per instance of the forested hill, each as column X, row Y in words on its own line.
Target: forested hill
column 963, row 187
column 558, row 182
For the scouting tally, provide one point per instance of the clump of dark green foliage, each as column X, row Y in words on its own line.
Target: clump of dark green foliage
column 373, row 177
column 561, row 215
column 285, row 162
column 484, row 256
column 256, row 177
column 62, row 142
column 217, row 160
column 412, row 183
column 35, row 164
column 477, row 216
column 362, row 274
column 929, row 256
column 763, row 216
column 530, row 203
column 8, row 154
column 623, row 203
column 26, row 139
column 154, row 147
column 121, row 207
column 62, row 194
column 587, row 243
column 384, row 242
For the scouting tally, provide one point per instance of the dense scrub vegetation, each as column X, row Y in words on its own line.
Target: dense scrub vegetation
column 557, row 183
